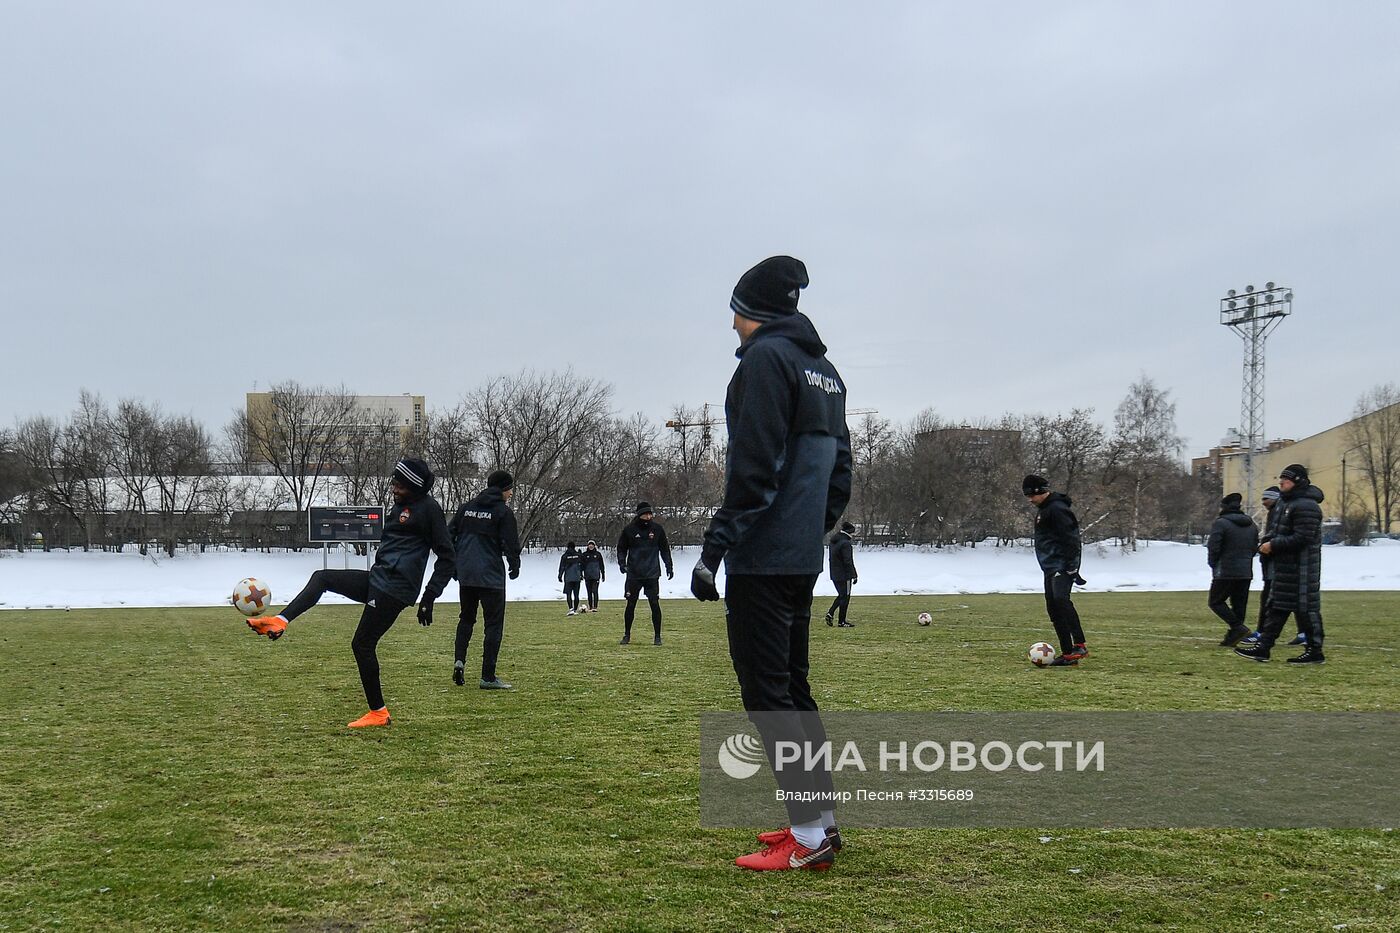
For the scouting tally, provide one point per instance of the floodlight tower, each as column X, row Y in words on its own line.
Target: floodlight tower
column 1253, row 315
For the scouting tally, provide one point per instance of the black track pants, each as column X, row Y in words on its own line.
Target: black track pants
column 378, row 616
column 571, row 594
column 1059, row 606
column 493, row 611
column 842, row 601
column 770, row 622
column 592, row 593
column 633, row 591
column 1229, row 599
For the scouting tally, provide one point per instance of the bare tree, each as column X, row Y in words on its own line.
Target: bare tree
column 181, row 463
column 1374, row 435
column 371, row 448
column 133, row 430
column 538, row 427
column 299, row 434
column 1144, row 442
column 446, row 444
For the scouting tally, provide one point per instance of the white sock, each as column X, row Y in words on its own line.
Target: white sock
column 810, row 834
column 828, row 819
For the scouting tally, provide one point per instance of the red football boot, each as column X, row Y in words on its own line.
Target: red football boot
column 790, row 854
column 833, row 836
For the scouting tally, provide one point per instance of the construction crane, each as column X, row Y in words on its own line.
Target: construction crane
column 706, row 424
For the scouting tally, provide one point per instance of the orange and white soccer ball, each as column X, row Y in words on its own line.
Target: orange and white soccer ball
column 252, row 597
column 1041, row 654
column 925, row 618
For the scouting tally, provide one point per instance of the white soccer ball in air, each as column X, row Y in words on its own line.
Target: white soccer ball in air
column 925, row 618
column 252, row 597
column 1041, row 654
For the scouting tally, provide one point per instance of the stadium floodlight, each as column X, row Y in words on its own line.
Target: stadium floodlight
column 1253, row 319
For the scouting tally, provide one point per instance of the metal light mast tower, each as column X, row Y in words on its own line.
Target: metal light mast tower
column 1253, row 315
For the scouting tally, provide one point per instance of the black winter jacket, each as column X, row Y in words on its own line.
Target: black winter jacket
column 483, row 534
column 594, row 567
column 641, row 548
column 571, row 566
column 1057, row 544
column 843, row 561
column 1297, row 552
column 788, row 473
column 1233, row 542
column 411, row 530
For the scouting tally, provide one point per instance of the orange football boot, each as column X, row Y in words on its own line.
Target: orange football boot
column 375, row 717
column 271, row 626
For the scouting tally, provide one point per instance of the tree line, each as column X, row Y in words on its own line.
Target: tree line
column 106, row 475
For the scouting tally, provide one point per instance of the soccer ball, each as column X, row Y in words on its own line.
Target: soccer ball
column 1041, row 654
column 251, row 597
column 925, row 619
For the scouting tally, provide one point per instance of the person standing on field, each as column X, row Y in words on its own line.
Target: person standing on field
column 1058, row 550
column 787, row 481
column 486, row 550
column 641, row 549
column 1266, row 570
column 843, row 573
column 414, row 527
column 1230, row 549
column 1295, row 547
column 595, row 571
column 571, row 575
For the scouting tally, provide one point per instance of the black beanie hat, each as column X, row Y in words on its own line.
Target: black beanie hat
column 848, row 528
column 1034, row 485
column 500, row 479
column 1233, row 500
column 644, row 507
column 1296, row 472
column 414, row 474
column 769, row 290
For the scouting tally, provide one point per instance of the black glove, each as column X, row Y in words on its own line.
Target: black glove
column 855, row 580
column 515, row 572
column 670, row 574
column 702, row 583
column 425, row 612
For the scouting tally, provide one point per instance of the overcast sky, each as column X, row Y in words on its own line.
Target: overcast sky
column 1003, row 207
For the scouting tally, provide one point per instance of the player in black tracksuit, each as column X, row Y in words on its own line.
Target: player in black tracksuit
column 414, row 526
column 843, row 573
column 484, row 535
column 787, row 481
column 1058, row 550
column 1230, row 553
column 641, row 549
column 571, row 575
column 595, row 571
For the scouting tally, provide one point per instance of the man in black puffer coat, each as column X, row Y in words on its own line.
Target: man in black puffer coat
column 1234, row 539
column 1296, row 551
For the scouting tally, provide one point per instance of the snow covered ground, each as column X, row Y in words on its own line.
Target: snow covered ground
column 95, row 580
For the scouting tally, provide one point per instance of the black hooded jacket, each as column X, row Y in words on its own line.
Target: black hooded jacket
column 411, row 530
column 483, row 534
column 641, row 548
column 1057, row 544
column 788, row 474
column 594, row 567
column 1297, row 552
column 1233, row 542
column 843, row 560
column 571, row 566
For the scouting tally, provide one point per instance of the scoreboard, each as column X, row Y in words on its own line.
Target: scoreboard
column 328, row 525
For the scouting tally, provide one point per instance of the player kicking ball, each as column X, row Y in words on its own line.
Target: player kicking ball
column 414, row 527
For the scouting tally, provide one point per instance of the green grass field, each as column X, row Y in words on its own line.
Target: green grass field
column 165, row 769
